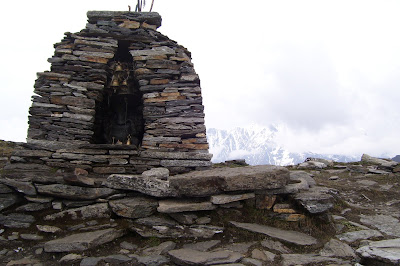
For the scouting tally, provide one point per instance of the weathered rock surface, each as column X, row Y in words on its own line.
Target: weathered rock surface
column 305, row 259
column 173, row 206
column 24, row 187
column 149, row 184
column 386, row 163
column 99, row 210
column 384, row 223
column 315, row 200
column 82, row 241
column 137, row 207
column 336, row 248
column 284, row 235
column 354, row 236
column 178, row 231
column 384, row 252
column 16, row 220
column 216, row 181
column 7, row 200
column 224, row 198
column 194, row 257
column 74, row 192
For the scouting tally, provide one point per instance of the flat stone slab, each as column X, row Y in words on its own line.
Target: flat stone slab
column 16, row 220
column 178, row 231
column 7, row 200
column 83, row 241
column 145, row 184
column 195, row 257
column 134, row 207
column 336, row 248
column 74, row 192
column 293, row 237
column 306, row 259
column 386, row 251
column 99, row 210
column 219, row 180
column 315, row 200
column 174, row 206
column 224, row 198
column 384, row 223
column 354, row 236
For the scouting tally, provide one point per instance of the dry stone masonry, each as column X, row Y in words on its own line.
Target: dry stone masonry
column 120, row 98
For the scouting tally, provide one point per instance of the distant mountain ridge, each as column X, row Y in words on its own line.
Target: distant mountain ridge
column 258, row 146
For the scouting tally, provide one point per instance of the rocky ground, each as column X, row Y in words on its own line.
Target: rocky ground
column 329, row 214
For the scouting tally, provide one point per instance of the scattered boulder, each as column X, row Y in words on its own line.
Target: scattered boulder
column 382, row 162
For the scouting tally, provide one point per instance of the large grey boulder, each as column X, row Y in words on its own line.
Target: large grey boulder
column 216, row 181
column 293, row 237
column 195, row 257
column 382, row 162
column 83, row 241
column 134, row 207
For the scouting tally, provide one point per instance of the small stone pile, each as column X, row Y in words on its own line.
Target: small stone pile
column 120, row 98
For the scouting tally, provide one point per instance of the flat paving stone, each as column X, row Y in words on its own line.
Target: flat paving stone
column 384, row 251
column 82, row 241
column 194, row 257
column 293, row 237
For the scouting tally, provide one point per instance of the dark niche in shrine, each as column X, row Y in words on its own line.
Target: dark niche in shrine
column 119, row 116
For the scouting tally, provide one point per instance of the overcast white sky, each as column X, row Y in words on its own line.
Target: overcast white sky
column 326, row 72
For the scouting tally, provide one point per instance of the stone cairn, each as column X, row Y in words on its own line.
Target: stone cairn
column 117, row 148
column 120, row 98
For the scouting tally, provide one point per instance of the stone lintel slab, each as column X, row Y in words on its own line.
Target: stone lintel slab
column 216, row 181
column 174, row 206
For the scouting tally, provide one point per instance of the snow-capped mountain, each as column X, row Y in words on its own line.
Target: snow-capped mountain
column 257, row 145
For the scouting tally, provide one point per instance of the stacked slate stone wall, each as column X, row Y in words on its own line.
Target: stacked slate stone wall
column 160, row 105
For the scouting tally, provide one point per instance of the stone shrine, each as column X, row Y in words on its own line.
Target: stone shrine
column 120, row 98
